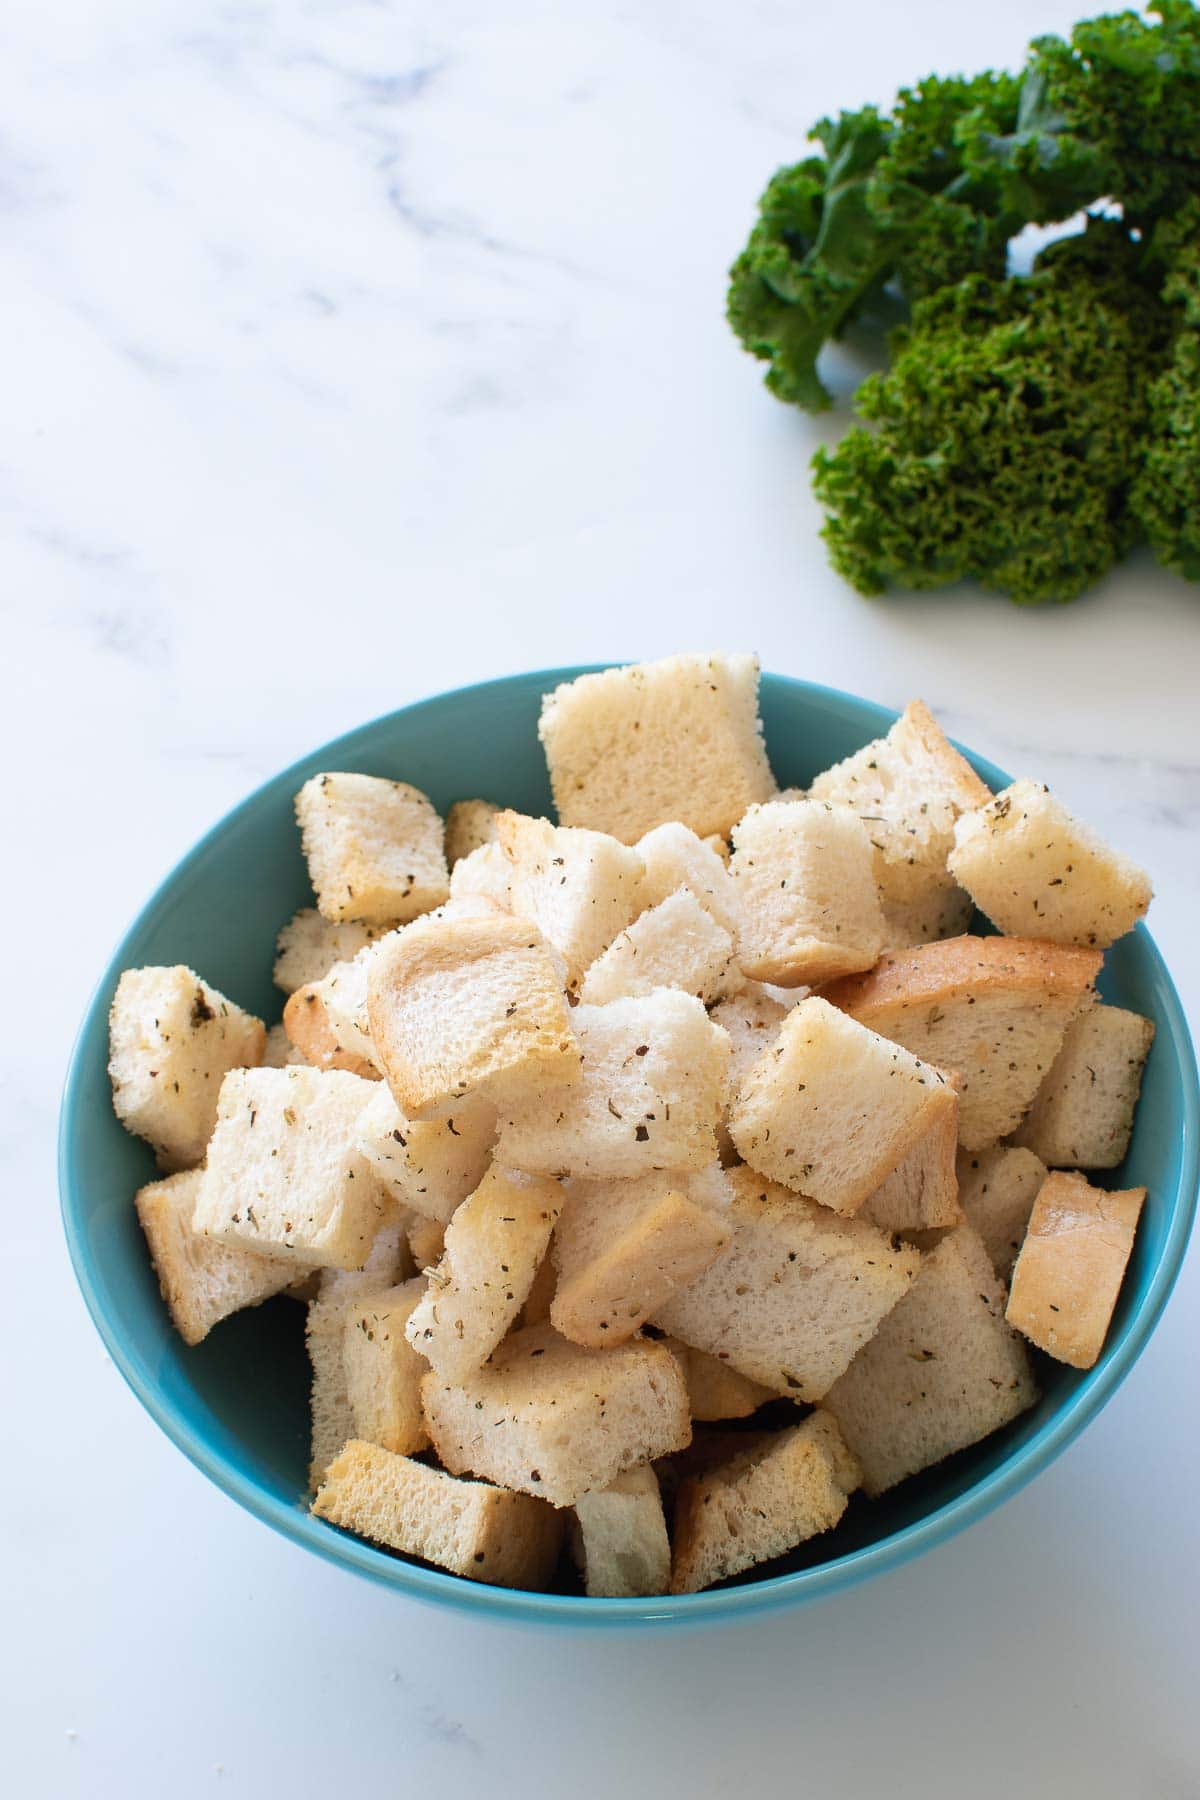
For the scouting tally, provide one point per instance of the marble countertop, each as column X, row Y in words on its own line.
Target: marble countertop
column 358, row 350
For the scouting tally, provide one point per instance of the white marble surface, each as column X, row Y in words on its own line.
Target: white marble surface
column 354, row 351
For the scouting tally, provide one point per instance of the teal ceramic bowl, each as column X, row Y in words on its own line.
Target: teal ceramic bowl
column 237, row 1404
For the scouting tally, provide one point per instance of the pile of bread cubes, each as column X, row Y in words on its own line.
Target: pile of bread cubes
column 657, row 1179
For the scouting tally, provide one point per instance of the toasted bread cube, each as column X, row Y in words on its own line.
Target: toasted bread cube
column 483, row 874
column 751, row 1017
column 674, row 944
column 942, row 1371
column 469, row 825
column 716, row 1390
column 550, row 1418
column 996, row 1190
column 936, row 908
column 620, row 1538
column 327, row 1019
column 631, row 748
column 1071, row 1264
column 674, row 857
column 460, row 1004
column 1039, row 872
column 831, row 1107
column 388, row 1263
column 624, row 1248
column 494, row 1246
column 789, row 1488
column 1082, row 1115
column 993, row 1009
column 308, row 946
column 580, row 888
column 284, row 1170
column 201, row 1282
column 373, row 847
column 426, row 1241
column 910, row 787
column 648, row 1096
column 797, row 1293
column 429, row 1164
column 921, row 1193
column 172, row 1039
column 383, row 1371
column 479, row 1532
column 324, row 1336
column 806, row 885
column 717, row 844
column 279, row 1052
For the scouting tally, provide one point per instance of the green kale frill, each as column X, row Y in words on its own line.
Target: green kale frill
column 1008, row 432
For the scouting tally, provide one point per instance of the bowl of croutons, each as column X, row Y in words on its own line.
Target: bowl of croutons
column 631, row 1145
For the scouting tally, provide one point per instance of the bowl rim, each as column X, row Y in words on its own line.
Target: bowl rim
column 516, row 1606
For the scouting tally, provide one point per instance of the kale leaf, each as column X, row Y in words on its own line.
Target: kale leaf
column 1008, row 431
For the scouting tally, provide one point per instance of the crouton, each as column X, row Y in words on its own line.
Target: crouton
column 469, row 825
column 921, row 1193
column 388, row 1263
column 172, row 1039
column 308, row 946
column 796, row 1294
column 674, row 944
column 1039, row 872
column 751, row 1017
column 580, row 888
column 373, row 848
column 624, row 1248
column 550, row 1418
column 996, row 1190
column 279, row 1052
column 831, row 1107
column 620, row 1538
column 383, row 1372
column 716, row 1390
column 426, row 1241
column 942, row 1371
column 937, row 909
column 327, row 1019
column 493, row 1248
column 631, row 748
column 717, row 844
column 429, row 1164
column 483, row 874
column 456, row 1004
column 1071, row 1264
column 648, row 1096
column 805, row 882
column 993, row 1009
column 201, row 1281
column 674, row 857
column 909, row 788
column 284, row 1171
column 479, row 1532
column 1082, row 1115
column 793, row 1486
column 332, row 1418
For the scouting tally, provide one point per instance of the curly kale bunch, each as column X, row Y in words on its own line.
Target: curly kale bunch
column 1008, row 433
column 888, row 198
column 1166, row 494
column 1030, row 429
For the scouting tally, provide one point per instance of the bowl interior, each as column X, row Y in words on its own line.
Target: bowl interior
column 238, row 1403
